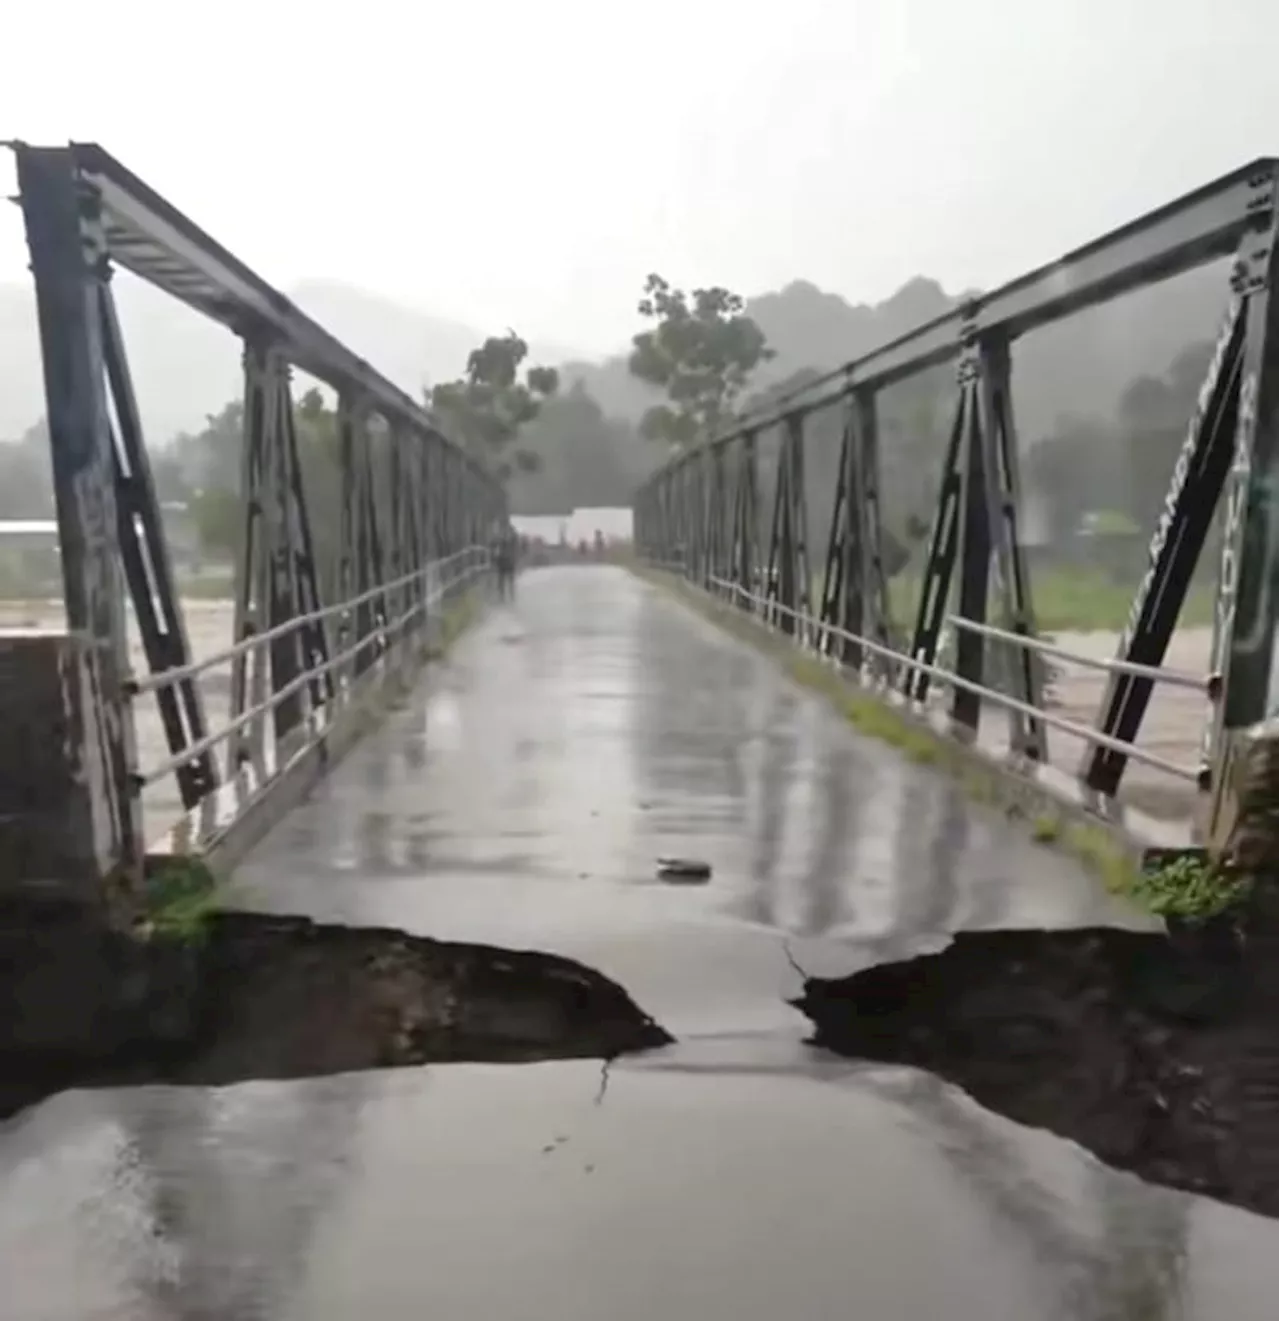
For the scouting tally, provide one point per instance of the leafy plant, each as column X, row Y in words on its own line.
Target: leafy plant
column 1189, row 887
column 181, row 896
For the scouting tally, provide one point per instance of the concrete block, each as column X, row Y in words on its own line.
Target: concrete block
column 50, row 827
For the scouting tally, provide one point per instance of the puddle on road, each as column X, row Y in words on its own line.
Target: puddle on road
column 274, row 997
column 1158, row 1060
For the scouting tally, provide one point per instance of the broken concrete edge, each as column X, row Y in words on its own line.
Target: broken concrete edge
column 1115, row 843
column 221, row 831
column 93, row 1006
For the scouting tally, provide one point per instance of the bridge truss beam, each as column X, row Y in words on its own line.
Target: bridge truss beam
column 407, row 497
column 976, row 556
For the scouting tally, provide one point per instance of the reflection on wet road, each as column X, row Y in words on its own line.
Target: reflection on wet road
column 521, row 798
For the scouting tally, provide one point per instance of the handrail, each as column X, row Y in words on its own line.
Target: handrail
column 175, row 674
column 1156, row 673
column 955, row 681
column 141, row 780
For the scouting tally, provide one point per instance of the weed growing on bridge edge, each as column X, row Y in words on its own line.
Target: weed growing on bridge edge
column 1191, row 887
column 182, row 893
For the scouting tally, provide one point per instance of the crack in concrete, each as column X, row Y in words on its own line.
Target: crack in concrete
column 605, row 1066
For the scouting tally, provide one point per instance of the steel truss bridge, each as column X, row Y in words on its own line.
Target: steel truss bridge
column 701, row 515
column 415, row 511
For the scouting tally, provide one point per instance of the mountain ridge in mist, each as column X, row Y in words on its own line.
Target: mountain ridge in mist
column 186, row 367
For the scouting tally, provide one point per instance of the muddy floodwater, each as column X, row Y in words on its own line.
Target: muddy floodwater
column 209, row 628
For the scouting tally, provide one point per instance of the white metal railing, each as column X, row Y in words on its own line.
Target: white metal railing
column 761, row 607
column 1156, row 673
column 466, row 564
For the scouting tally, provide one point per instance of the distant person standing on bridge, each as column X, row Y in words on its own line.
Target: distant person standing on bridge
column 504, row 561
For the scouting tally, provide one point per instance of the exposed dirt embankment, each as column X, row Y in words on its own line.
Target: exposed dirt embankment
column 260, row 996
column 1157, row 1055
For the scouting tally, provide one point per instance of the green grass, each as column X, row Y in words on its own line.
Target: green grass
column 1189, row 887
column 182, row 894
column 1064, row 600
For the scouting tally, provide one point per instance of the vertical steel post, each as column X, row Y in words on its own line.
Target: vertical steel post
column 944, row 541
column 1013, row 583
column 870, row 523
column 1245, row 620
column 69, row 262
column 975, row 552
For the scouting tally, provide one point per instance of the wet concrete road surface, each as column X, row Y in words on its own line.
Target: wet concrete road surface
column 522, row 797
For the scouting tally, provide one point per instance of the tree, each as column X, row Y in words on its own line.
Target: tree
column 1073, row 472
column 218, row 518
column 1154, row 415
column 701, row 353
column 585, row 458
column 211, row 459
column 490, row 404
column 26, row 475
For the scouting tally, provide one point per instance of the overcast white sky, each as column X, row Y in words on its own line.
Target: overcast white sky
column 525, row 164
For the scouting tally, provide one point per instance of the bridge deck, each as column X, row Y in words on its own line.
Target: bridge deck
column 521, row 796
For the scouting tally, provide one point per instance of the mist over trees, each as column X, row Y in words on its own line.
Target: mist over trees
column 1101, row 409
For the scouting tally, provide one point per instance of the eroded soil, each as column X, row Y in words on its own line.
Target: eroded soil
column 282, row 997
column 1158, row 1058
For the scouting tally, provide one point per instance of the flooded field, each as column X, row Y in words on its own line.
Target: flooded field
column 1172, row 729
column 209, row 626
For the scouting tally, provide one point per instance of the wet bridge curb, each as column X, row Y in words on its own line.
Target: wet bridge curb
column 1112, row 840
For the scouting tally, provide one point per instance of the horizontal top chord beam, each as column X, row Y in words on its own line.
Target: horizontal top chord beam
column 1197, row 228
column 148, row 235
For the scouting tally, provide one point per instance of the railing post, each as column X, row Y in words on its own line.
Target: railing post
column 875, row 622
column 999, row 439
column 975, row 542
column 944, row 541
column 789, row 585
column 1245, row 619
column 69, row 263
column 841, row 599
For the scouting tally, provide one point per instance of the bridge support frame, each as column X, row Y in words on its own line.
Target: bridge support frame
column 975, row 550
column 70, row 265
column 855, row 594
column 85, row 213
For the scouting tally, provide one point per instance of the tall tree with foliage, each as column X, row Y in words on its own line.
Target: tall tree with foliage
column 701, row 352
column 490, row 404
column 211, row 462
column 585, row 457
